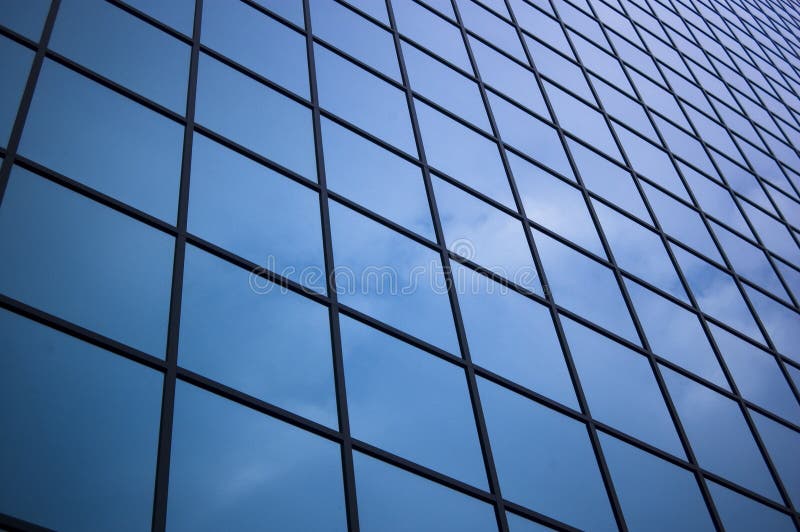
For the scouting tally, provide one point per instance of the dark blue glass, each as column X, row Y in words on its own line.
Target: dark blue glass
column 255, row 212
column 742, row 514
column 520, row 524
column 79, row 447
column 620, row 387
column 72, row 257
column 252, row 335
column 513, row 336
column 255, row 116
column 544, row 460
column 393, row 500
column 98, row 137
column 376, row 178
column 783, row 446
column 392, row 278
column 719, row 435
column 15, row 62
column 410, row 403
column 124, row 49
column 233, row 468
column 26, row 18
column 779, row 321
column 257, row 42
column 654, row 494
column 177, row 13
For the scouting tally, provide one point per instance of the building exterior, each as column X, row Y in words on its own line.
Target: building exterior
column 418, row 265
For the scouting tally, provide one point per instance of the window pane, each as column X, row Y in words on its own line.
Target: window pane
column 393, row 500
column 660, row 318
column 125, row 49
column 15, row 62
column 256, row 213
column 774, row 234
column 257, row 42
column 675, row 503
column 93, row 135
column 620, row 387
column 431, row 31
column 463, row 154
column 520, row 524
column 485, row 235
column 490, row 27
column 177, row 13
column 783, row 446
column 113, row 273
column 255, row 116
column 742, row 514
column 544, row 460
column 376, row 178
column 235, row 468
column 410, row 403
column 79, row 448
column 391, row 278
column 254, row 336
column 363, row 99
column 555, row 204
column 26, row 18
column 719, row 435
column 292, row 10
column 512, row 336
column 780, row 322
column 584, row 286
column 651, row 162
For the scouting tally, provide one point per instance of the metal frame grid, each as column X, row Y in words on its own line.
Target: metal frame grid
column 730, row 12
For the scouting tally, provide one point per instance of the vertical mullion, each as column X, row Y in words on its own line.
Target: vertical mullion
column 27, row 97
column 472, row 384
column 348, row 467
column 170, row 377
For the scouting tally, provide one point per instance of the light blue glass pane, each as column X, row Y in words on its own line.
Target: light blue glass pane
column 463, row 154
column 355, row 35
column 445, row 86
column 256, row 213
column 252, row 335
column 674, row 504
column 555, row 204
column 529, row 134
column 485, row 235
column 177, row 13
column 410, row 403
column 719, row 435
column 79, row 448
column 609, row 180
column 681, row 222
column 393, row 500
column 97, row 137
column 292, row 10
column 544, row 460
column 373, row 9
column 716, row 293
column 791, row 276
column 584, row 286
column 560, row 69
column 392, row 278
column 742, row 514
column 84, row 262
column 15, row 62
column 509, row 77
column 620, row 387
column 363, row 99
column 620, row 106
column 661, row 320
column 513, row 336
column 124, row 49
column 757, row 375
column 25, row 17
column 492, row 28
column 651, row 162
column 639, row 251
column 376, row 178
column 783, row 446
column 774, row 234
column 431, row 31
column 233, row 468
column 520, row 524
column 257, row 42
column 780, row 321
column 255, row 116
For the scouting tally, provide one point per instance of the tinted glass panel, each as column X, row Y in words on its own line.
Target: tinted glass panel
column 177, row 13
column 252, row 335
column 79, row 450
column 113, row 273
column 742, row 514
column 780, row 322
column 783, row 445
column 97, row 137
column 15, row 62
column 431, row 31
column 235, row 468
column 26, row 18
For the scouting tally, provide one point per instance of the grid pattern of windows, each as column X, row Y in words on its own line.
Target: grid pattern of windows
column 365, row 265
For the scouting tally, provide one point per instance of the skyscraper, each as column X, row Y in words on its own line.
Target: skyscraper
column 401, row 265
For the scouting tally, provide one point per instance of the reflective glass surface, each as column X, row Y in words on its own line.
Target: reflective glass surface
column 15, row 62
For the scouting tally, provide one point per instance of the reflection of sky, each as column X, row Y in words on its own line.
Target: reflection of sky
column 742, row 514
column 15, row 60
column 783, row 445
column 780, row 322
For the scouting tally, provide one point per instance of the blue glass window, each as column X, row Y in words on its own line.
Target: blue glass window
column 431, row 31
column 15, row 62
column 783, row 446
column 177, row 13
column 742, row 514
column 26, row 18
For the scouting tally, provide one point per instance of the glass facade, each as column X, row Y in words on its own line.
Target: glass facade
column 400, row 265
